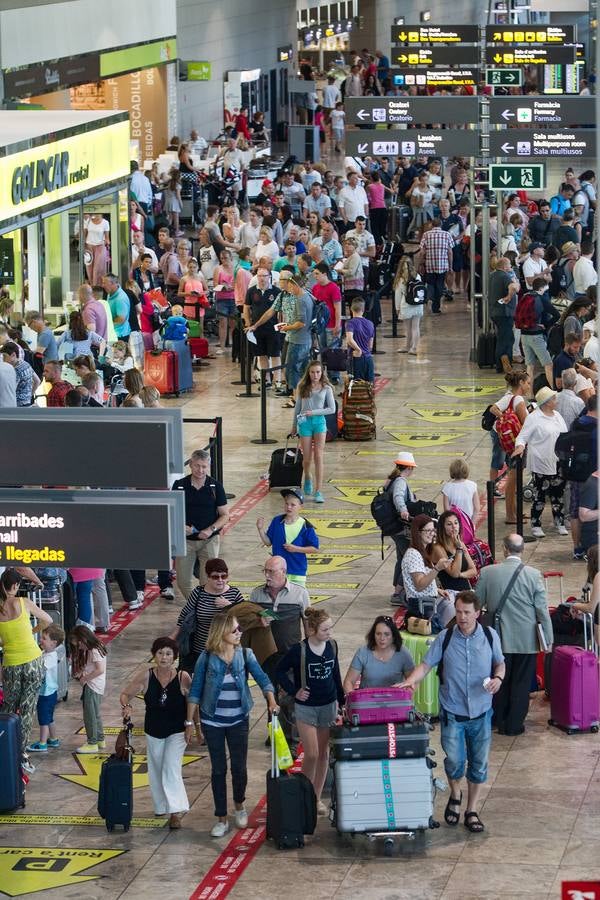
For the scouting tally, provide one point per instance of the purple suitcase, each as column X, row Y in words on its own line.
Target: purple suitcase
column 378, row 706
column 575, row 700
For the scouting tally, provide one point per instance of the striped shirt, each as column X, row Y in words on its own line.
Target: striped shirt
column 228, row 710
column 205, row 611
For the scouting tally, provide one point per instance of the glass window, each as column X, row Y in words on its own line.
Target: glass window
column 60, row 262
column 19, row 271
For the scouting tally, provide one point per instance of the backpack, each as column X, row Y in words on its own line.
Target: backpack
column 556, row 339
column 488, row 419
column 575, row 452
column 384, row 512
column 320, row 316
column 448, row 638
column 467, row 528
column 415, row 294
column 562, row 279
column 525, row 316
column 507, row 428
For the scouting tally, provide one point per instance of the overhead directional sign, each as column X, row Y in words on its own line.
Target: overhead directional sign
column 446, row 142
column 527, row 142
column 505, row 77
column 542, row 110
column 540, row 34
column 433, row 34
column 530, row 56
column 415, row 110
column 456, row 55
column 456, row 77
column 508, row 177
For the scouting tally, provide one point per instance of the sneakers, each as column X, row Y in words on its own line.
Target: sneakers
column 37, row 747
column 319, row 498
column 241, row 818
column 87, row 624
column 219, row 830
column 53, row 743
column 537, row 532
column 398, row 599
column 27, row 766
column 579, row 553
column 135, row 604
column 167, row 593
column 308, row 486
column 111, row 611
column 321, row 809
column 87, row 748
column 561, row 528
column 101, row 745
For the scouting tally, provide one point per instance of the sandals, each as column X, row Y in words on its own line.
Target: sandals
column 451, row 815
column 289, row 404
column 473, row 823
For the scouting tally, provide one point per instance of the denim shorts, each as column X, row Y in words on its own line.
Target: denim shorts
column 226, row 308
column 466, row 744
column 312, row 425
column 318, row 716
column 535, row 349
column 45, row 708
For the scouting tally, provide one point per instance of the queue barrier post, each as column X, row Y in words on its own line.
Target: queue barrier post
column 240, row 330
column 264, row 439
column 248, row 361
column 527, row 538
column 491, row 524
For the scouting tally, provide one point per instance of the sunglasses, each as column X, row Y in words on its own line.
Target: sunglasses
column 219, row 575
column 237, row 630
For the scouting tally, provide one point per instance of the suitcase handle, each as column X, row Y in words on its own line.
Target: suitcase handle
column 553, row 574
column 274, row 767
column 286, row 450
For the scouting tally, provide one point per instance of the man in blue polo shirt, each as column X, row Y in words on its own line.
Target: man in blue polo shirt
column 473, row 670
column 119, row 305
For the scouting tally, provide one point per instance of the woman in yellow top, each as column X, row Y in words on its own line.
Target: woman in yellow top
column 22, row 662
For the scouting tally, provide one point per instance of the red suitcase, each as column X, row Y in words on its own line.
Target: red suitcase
column 575, row 699
column 161, row 370
column 198, row 347
column 378, row 706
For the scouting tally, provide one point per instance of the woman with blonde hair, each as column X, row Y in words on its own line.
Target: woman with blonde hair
column 315, row 401
column 133, row 380
column 316, row 684
column 409, row 313
column 220, row 690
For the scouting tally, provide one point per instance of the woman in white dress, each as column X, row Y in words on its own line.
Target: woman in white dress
column 410, row 314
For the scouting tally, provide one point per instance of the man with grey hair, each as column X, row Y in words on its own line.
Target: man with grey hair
column 515, row 599
column 206, row 513
column 568, row 404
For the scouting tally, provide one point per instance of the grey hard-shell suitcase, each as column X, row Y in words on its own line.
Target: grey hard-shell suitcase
column 383, row 795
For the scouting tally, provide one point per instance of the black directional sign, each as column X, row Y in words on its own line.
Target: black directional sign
column 547, row 110
column 441, row 78
column 436, row 56
column 417, row 141
column 529, row 34
column 433, row 34
column 412, row 110
column 530, row 56
column 529, row 143
column 508, row 77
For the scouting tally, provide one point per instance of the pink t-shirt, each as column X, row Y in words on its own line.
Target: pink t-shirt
column 376, row 195
column 86, row 574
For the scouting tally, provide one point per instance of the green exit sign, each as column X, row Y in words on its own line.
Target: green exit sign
column 518, row 177
column 504, row 77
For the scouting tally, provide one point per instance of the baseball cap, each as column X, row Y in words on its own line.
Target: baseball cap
column 267, row 182
column 536, row 245
column 295, row 492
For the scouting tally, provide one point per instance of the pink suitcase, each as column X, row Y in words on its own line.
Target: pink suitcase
column 378, row 706
column 575, row 698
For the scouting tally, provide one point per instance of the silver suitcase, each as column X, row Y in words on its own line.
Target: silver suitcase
column 383, row 795
column 62, row 672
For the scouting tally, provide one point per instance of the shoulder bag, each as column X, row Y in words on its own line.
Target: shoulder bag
column 494, row 619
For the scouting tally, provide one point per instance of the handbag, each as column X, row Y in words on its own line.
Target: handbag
column 422, row 507
column 418, row 626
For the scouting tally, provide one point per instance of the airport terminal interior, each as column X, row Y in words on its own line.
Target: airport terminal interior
column 72, row 211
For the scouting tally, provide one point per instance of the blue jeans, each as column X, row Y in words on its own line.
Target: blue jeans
column 297, row 359
column 466, row 743
column 436, row 282
column 236, row 737
column 362, row 367
column 83, row 592
column 504, row 339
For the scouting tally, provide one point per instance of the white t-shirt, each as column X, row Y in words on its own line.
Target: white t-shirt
column 50, row 683
column 97, row 684
column 208, row 261
column 592, row 349
column 412, row 561
column 331, row 95
column 338, row 117
column 95, row 232
column 504, row 402
column 271, row 250
column 533, row 267
column 584, row 275
column 249, row 235
column 539, row 434
column 460, row 494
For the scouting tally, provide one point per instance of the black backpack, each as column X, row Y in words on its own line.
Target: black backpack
column 556, row 339
column 416, row 292
column 384, row 512
column 575, row 452
column 320, row 316
column 562, row 279
column 488, row 419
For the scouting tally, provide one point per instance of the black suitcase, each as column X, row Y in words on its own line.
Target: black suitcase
column 291, row 805
column 486, row 350
column 335, row 359
column 286, row 467
column 398, row 740
column 115, row 793
column 398, row 220
column 12, row 787
column 332, row 424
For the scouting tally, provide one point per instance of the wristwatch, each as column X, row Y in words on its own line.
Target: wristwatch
column 188, row 724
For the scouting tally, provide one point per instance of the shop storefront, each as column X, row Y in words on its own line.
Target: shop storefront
column 63, row 180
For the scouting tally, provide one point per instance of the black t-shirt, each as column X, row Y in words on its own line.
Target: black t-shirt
column 588, row 498
column 201, row 503
column 563, row 361
column 499, row 282
column 259, row 302
column 134, row 322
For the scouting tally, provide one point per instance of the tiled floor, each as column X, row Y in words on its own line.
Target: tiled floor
column 542, row 804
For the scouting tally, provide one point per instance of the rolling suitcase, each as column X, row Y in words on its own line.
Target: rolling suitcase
column 291, row 805
column 332, row 425
column 286, row 467
column 486, row 350
column 358, row 408
column 12, row 786
column 370, row 706
column 160, row 371
column 185, row 375
column 383, row 795
column 425, row 697
column 575, row 699
column 396, row 740
column 198, row 348
column 115, row 791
